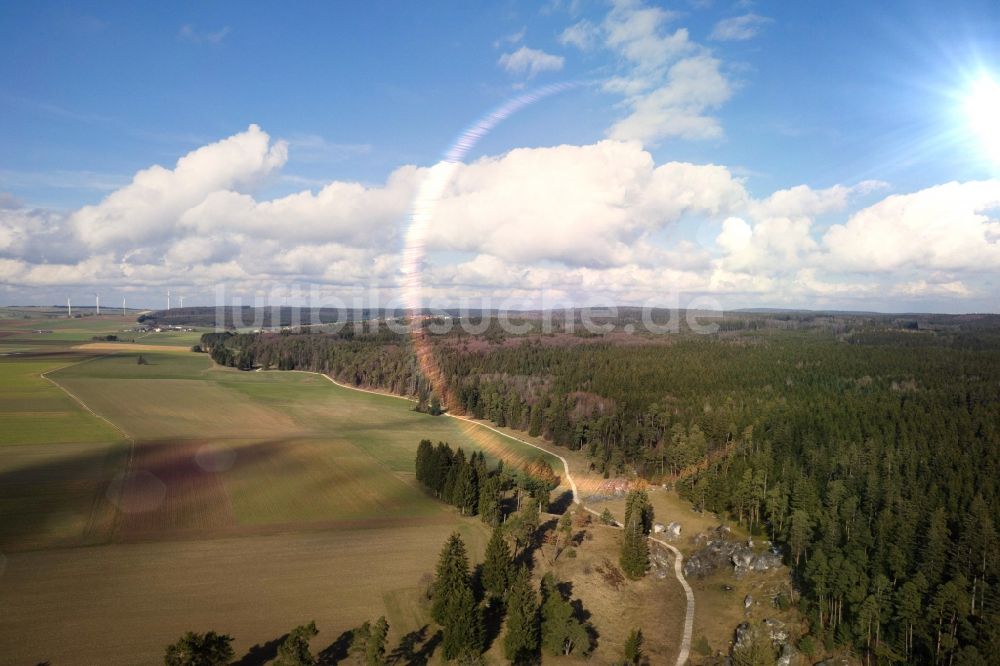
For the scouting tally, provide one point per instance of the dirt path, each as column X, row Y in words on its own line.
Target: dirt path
column 77, row 400
column 685, row 650
column 685, row 647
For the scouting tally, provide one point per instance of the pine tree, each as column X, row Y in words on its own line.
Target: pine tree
column 800, row 533
column 976, row 550
column 478, row 463
column 294, row 651
column 452, row 575
column 438, row 468
column 934, row 555
column 635, row 549
column 466, row 494
column 637, row 503
column 536, row 421
column 520, row 643
column 524, row 524
column 498, row 566
column 909, row 610
column 448, row 492
column 633, row 647
column 425, row 455
column 454, row 606
column 193, row 649
column 489, row 500
column 565, row 531
column 462, row 635
column 375, row 650
column 562, row 633
column 359, row 641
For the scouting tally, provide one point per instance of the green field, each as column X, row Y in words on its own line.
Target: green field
column 56, row 459
column 174, row 338
column 249, row 502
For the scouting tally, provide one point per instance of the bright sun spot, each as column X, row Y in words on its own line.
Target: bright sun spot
column 982, row 106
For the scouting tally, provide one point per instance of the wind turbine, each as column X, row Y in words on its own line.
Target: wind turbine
column 98, row 304
column 123, row 305
column 168, row 299
column 182, row 302
column 69, row 308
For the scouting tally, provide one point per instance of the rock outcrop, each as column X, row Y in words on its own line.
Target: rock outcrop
column 719, row 550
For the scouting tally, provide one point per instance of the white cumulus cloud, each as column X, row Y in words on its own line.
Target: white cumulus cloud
column 529, row 62
column 582, row 35
column 670, row 83
column 950, row 226
column 577, row 222
column 739, row 28
column 146, row 208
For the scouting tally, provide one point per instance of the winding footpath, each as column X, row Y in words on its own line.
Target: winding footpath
column 685, row 647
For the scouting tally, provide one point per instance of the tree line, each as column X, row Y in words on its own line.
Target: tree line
column 367, row 644
column 475, row 490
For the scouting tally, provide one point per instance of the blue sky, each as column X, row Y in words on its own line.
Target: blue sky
column 805, row 95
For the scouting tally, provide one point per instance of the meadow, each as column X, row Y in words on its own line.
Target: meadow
column 176, row 495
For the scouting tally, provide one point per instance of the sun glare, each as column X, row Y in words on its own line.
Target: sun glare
column 982, row 107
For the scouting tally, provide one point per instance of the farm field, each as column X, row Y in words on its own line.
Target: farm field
column 171, row 338
column 252, row 502
column 56, row 459
column 127, row 601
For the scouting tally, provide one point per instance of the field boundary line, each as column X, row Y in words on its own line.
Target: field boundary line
column 685, row 648
column 126, row 474
column 569, row 477
column 79, row 401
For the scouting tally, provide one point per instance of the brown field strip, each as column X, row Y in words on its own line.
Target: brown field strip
column 129, row 346
column 167, row 489
column 123, row 603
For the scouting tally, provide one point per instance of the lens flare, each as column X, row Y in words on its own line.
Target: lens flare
column 422, row 214
column 982, row 108
column 421, row 218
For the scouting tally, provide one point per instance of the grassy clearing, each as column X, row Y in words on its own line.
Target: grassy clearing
column 669, row 508
column 654, row 604
column 719, row 596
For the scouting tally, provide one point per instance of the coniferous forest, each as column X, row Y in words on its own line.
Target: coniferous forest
column 868, row 446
